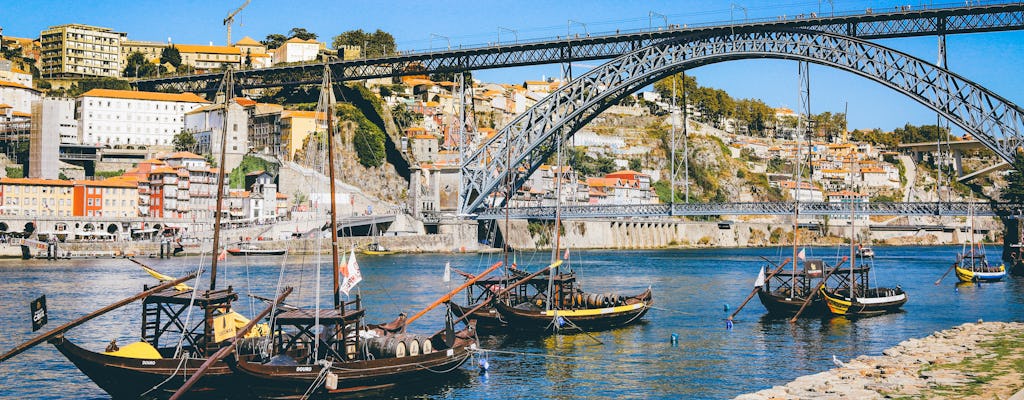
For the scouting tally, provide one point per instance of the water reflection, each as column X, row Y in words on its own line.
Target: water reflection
column 691, row 289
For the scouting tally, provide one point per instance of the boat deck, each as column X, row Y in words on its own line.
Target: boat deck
column 327, row 316
column 203, row 299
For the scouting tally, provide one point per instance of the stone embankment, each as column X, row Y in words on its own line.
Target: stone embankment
column 971, row 361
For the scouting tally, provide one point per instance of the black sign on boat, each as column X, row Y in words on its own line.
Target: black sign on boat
column 38, row 313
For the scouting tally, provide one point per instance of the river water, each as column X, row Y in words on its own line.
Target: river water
column 694, row 291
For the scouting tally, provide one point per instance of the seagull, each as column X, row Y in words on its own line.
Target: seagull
column 835, row 360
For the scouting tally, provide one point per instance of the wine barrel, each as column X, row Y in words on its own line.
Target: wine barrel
column 426, row 346
column 390, row 346
column 412, row 342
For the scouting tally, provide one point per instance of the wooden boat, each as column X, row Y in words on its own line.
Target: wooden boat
column 156, row 365
column 865, row 300
column 578, row 311
column 786, row 293
column 487, row 318
column 255, row 251
column 973, row 266
column 851, row 294
column 349, row 356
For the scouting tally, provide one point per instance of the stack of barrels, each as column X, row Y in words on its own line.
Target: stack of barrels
column 398, row 345
column 582, row 300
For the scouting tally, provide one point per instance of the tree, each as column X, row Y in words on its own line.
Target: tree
column 301, row 33
column 138, row 66
column 1014, row 191
column 170, row 55
column 274, row 40
column 184, row 141
column 376, row 44
column 450, row 77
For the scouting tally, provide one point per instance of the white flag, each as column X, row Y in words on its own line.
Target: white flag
column 351, row 273
column 447, row 272
column 802, row 255
column 760, row 278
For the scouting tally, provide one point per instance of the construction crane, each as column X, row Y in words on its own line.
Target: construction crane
column 231, row 19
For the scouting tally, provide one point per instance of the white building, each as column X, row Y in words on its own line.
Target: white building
column 207, row 124
column 18, row 96
column 124, row 117
column 296, row 50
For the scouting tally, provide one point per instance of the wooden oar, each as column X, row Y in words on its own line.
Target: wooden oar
column 944, row 275
column 452, row 293
column 501, row 292
column 224, row 351
column 814, row 293
column 756, row 288
column 63, row 328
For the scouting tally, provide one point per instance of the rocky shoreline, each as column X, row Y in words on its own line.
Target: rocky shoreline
column 979, row 360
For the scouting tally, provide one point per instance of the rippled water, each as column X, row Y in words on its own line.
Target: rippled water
column 691, row 287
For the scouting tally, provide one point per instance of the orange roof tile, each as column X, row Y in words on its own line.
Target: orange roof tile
column 204, row 49
column 183, row 154
column 35, row 182
column 16, row 85
column 152, row 96
column 247, row 41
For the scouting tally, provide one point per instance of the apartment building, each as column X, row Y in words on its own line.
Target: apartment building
column 62, row 198
column 209, row 122
column 76, row 50
column 152, row 50
column 295, row 127
column 297, row 50
column 123, row 117
column 19, row 97
column 206, row 58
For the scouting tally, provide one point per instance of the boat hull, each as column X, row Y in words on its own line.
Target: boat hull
column 243, row 252
column 838, row 305
column 966, row 275
column 354, row 377
column 587, row 319
column 133, row 378
column 488, row 320
column 778, row 305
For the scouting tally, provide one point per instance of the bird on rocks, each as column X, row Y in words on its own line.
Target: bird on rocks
column 835, row 360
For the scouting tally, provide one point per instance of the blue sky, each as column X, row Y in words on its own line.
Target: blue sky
column 990, row 59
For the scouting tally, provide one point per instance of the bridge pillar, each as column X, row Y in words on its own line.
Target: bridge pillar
column 957, row 155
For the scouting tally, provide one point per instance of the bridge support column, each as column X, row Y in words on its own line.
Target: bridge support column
column 957, row 163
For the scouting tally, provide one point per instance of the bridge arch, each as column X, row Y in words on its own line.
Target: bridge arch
column 994, row 121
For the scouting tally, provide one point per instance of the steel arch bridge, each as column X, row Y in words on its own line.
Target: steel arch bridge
column 527, row 141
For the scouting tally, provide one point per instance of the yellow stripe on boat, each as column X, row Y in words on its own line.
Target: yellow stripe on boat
column 595, row 311
column 836, row 305
column 140, row 350
column 964, row 275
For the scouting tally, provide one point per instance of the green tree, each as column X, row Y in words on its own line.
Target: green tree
column 301, row 33
column 274, row 40
column 86, row 85
column 170, row 55
column 450, row 77
column 249, row 164
column 138, row 66
column 376, row 44
column 184, row 141
column 635, row 164
column 1014, row 191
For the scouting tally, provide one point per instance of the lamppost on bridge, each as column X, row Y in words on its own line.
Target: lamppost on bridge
column 734, row 6
column 568, row 29
column 650, row 19
column 432, row 35
column 832, row 8
column 514, row 32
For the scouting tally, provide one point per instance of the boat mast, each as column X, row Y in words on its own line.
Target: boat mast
column 229, row 90
column 329, row 102
column 558, row 222
column 805, row 97
column 853, row 224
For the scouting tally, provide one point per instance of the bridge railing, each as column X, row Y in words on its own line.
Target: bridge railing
column 835, row 209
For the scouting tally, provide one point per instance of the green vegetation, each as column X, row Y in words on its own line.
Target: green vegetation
column 908, row 134
column 15, row 172
column 376, row 44
column 716, row 104
column 368, row 139
column 86, row 85
column 275, row 40
column 584, row 164
column 1014, row 191
column 138, row 66
column 109, row 174
column 249, row 164
column 170, row 55
column 184, row 141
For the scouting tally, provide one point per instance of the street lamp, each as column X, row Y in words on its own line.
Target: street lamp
column 432, row 35
column 734, row 6
column 568, row 29
column 514, row 32
column 650, row 19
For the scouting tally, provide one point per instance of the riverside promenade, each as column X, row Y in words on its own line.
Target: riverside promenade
column 972, row 361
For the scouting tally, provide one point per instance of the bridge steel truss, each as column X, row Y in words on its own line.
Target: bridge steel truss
column 835, row 209
column 534, row 135
column 876, row 25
